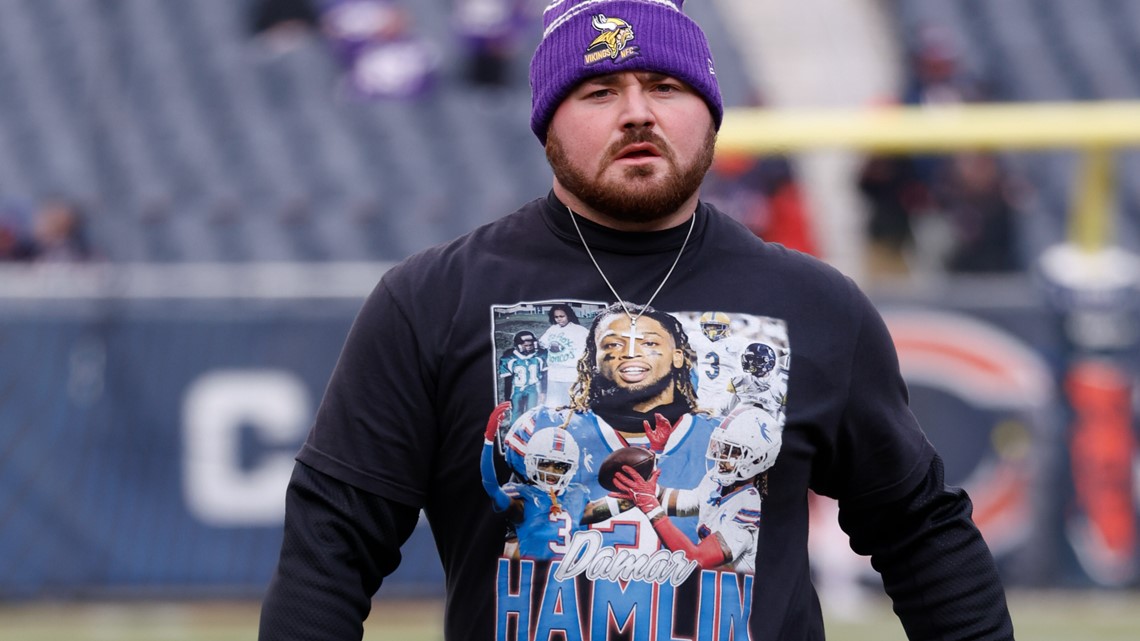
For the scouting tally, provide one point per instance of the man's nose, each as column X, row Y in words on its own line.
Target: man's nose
column 638, row 111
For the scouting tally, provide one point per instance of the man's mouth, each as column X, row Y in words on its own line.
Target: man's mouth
column 633, row 373
column 638, row 151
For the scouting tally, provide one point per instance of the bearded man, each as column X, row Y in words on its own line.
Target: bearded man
column 629, row 130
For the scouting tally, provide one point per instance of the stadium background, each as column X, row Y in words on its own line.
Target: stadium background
column 243, row 188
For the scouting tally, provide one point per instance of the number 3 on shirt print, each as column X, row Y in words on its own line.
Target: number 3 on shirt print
column 563, row 528
column 714, row 365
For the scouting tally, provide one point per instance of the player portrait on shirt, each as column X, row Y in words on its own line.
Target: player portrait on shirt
column 522, row 369
column 634, row 387
column 544, row 506
column 564, row 341
column 718, row 350
column 728, row 499
column 742, row 359
column 760, row 382
column 636, row 384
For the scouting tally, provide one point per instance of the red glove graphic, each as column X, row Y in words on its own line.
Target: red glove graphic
column 498, row 415
column 658, row 433
column 643, row 492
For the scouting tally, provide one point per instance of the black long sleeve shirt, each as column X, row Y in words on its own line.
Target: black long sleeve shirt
column 401, row 428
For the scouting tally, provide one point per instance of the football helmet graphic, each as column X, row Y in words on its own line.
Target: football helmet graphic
column 714, row 325
column 758, row 359
column 525, row 342
column 744, row 445
column 551, row 459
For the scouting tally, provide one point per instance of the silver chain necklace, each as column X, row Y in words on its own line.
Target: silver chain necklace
column 632, row 335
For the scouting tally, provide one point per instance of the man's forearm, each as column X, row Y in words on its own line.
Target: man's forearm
column 936, row 567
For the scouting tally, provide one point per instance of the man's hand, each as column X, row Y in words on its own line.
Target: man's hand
column 659, row 432
column 498, row 415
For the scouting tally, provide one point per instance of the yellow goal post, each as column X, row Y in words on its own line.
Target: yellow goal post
column 1096, row 129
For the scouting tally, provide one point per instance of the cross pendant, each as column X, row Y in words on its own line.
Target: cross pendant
column 632, row 335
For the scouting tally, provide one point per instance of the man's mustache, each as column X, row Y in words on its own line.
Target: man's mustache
column 639, row 135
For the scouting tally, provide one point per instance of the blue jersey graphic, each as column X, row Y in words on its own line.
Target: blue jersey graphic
column 546, row 528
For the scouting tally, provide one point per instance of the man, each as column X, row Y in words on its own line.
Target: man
column 625, row 100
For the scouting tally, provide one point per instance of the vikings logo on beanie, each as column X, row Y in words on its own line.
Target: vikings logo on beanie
column 586, row 38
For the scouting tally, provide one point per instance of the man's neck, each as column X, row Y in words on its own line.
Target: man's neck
column 631, row 421
column 664, row 398
column 667, row 221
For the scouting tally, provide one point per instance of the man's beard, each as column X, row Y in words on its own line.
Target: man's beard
column 631, row 200
column 605, row 394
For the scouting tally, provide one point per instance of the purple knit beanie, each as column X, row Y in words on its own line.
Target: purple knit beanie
column 585, row 38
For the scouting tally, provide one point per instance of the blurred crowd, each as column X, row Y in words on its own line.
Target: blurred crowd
column 955, row 212
column 53, row 230
column 368, row 36
column 382, row 52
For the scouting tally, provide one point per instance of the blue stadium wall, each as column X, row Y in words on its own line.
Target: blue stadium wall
column 145, row 445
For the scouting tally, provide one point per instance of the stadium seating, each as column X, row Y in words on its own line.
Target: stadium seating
column 191, row 143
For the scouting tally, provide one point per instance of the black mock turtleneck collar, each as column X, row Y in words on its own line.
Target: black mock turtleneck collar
column 602, row 238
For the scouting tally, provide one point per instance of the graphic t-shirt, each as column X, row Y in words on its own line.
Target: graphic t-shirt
column 623, row 367
column 406, row 410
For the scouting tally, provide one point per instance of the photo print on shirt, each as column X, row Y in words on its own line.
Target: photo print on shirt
column 593, row 558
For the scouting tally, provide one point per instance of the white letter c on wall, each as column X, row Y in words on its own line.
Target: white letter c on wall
column 218, row 490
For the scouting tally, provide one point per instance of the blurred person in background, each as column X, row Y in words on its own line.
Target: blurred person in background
column 59, row 232
column 933, row 208
column 379, row 49
column 938, row 72
column 490, row 31
column 15, row 242
column 982, row 208
column 896, row 196
column 626, row 101
column 283, row 25
column 762, row 193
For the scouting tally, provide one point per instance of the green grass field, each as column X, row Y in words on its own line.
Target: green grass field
column 1046, row 616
